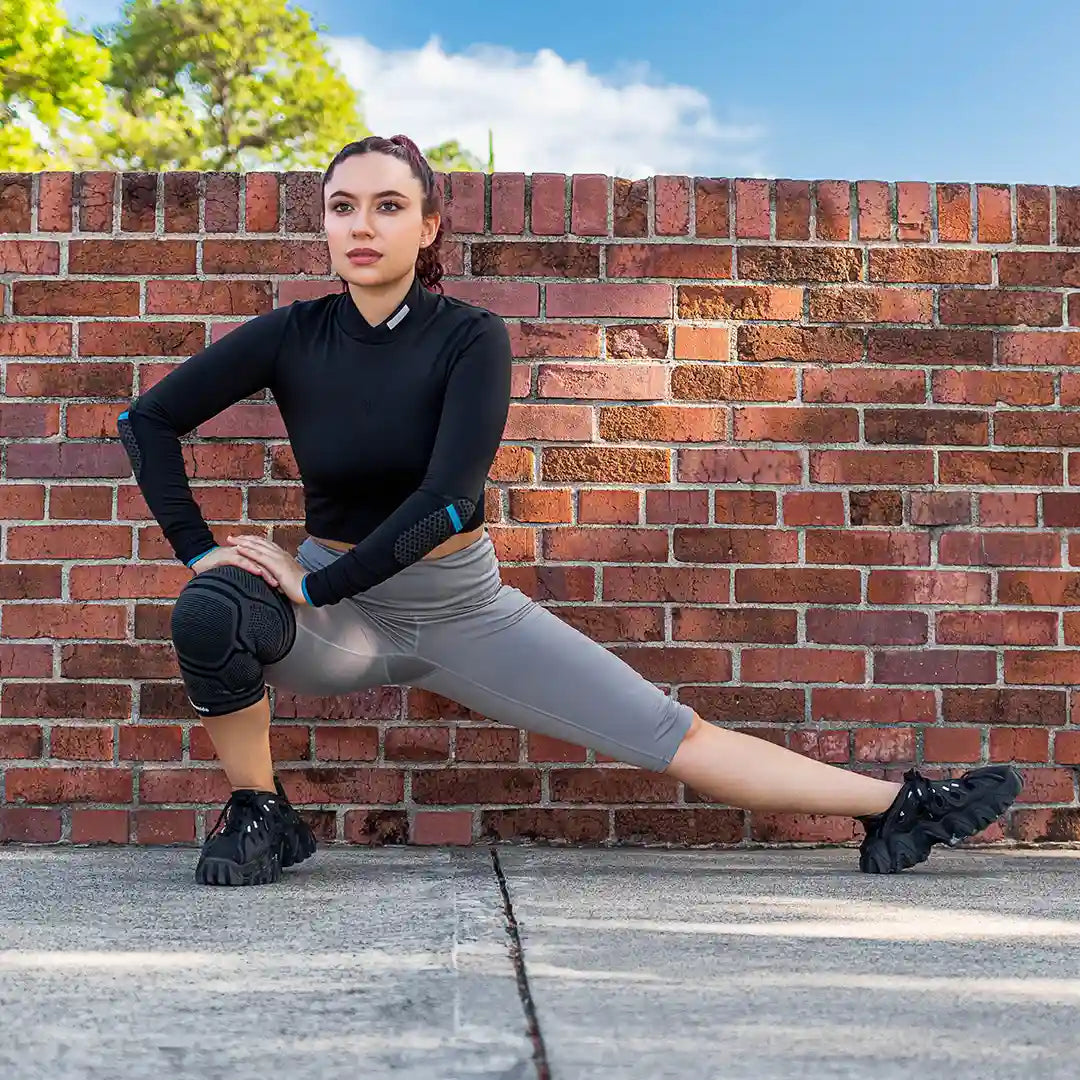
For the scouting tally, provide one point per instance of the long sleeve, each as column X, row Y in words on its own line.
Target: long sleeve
column 470, row 428
column 233, row 368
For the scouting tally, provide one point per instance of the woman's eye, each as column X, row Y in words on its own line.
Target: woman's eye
column 341, row 206
column 392, row 205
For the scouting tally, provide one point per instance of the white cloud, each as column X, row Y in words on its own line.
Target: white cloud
column 547, row 114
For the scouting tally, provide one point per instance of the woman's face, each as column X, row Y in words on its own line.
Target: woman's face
column 374, row 221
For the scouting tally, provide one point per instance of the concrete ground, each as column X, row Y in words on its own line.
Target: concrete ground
column 439, row 964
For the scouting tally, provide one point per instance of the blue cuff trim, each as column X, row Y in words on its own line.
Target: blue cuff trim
column 452, row 511
column 123, row 415
column 303, row 589
column 198, row 557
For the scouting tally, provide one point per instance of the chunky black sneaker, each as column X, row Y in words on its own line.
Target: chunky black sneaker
column 928, row 812
column 299, row 841
column 245, row 845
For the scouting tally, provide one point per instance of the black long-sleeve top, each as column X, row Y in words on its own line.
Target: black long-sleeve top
column 394, row 427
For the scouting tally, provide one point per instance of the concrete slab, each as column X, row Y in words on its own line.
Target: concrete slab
column 770, row 965
column 115, row 965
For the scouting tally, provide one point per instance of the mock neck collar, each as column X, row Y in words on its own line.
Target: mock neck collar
column 397, row 325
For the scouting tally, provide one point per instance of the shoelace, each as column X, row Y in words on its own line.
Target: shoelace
column 932, row 794
column 243, row 812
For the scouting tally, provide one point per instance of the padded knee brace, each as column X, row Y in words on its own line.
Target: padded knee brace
column 226, row 625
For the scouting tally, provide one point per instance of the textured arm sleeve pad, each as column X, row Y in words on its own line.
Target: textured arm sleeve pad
column 471, row 425
column 231, row 369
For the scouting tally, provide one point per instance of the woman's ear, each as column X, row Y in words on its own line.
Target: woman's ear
column 430, row 229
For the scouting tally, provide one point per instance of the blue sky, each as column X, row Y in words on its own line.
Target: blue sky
column 810, row 89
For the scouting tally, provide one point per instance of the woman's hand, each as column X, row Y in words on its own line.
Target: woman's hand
column 275, row 561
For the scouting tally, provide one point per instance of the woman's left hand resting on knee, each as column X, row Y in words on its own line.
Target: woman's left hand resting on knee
column 289, row 573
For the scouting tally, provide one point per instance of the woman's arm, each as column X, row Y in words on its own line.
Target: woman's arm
column 233, row 368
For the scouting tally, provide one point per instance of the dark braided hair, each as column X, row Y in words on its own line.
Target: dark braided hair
column 428, row 267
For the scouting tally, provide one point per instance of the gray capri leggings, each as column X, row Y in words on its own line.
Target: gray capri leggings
column 449, row 625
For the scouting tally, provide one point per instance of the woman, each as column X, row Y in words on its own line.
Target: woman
column 395, row 399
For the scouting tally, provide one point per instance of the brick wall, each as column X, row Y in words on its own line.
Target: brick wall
column 799, row 452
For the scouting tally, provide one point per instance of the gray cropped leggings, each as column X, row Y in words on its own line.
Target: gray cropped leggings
column 450, row 625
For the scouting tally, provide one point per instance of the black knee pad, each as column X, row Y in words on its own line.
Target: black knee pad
column 226, row 625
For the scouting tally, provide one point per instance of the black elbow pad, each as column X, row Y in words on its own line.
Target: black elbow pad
column 130, row 443
column 430, row 531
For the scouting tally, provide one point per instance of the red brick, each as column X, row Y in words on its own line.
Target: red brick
column 615, row 507
column 1045, row 785
column 22, row 420
column 451, row 827
column 912, row 211
column 512, row 463
column 994, row 202
column 656, row 423
column 735, row 545
column 464, row 787
column 550, row 423
column 815, row 344
column 1008, row 508
column 541, row 823
column 488, row 745
column 610, row 382
column 75, row 298
column 985, row 467
column 664, row 506
column 702, row 342
column 999, row 549
column 678, row 664
column 799, row 264
column 29, row 257
column 630, row 203
column 26, row 661
column 801, row 828
column 1019, row 744
column 80, row 501
column 732, row 382
column 609, row 299
column 512, row 544
column 118, row 661
column 681, row 826
column 931, row 266
column 65, row 785
column 421, row 743
column 605, row 545
column 928, row 587
column 667, row 261
column 878, row 705
column 952, row 744
column 935, row 666
column 930, row 347
column 1052, row 268
column 672, row 205
column 1068, row 216
column 705, row 585
column 745, row 704
column 150, row 742
column 871, row 466
column 23, row 502
column 1033, row 348
column 876, row 507
column 376, row 827
column 506, row 298
column 464, row 192
column 69, row 380
column 546, row 748
column 35, row 339
column 507, row 203
column 871, row 305
column 1047, row 667
column 740, row 466
column 588, row 206
column 1023, row 428
column 639, row 341
column 68, row 541
column 181, row 202
column 830, row 746
column 860, row 384
column 138, row 201
column 96, row 193
column 1032, row 214
column 543, row 505
column 15, row 196
column 738, row 302
column 352, row 743
column 927, row 426
column 221, row 211
column 528, row 258
column 622, row 624
column 796, row 425
column 109, row 582
column 813, row 508
column 1003, row 707
column 164, row 826
column 803, row 665
column 993, row 387
column 954, row 212
column 55, row 201
column 22, row 825
column 875, row 211
column 548, row 204
column 81, row 743
column 258, row 256
column 752, row 209
column 711, row 197
column 608, row 464
column 18, row 740
column 885, row 744
column 868, row 548
column 940, row 508
column 793, row 210
column 100, row 826
column 833, row 201
column 838, row 627
column 1067, row 748
column 1041, row 588
column 610, row 786
column 744, row 507
column 999, row 307
column 798, row 586
column 734, row 624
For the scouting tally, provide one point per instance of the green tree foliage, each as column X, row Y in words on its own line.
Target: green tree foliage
column 51, row 79
column 222, row 84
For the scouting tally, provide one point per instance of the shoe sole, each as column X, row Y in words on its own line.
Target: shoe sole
column 903, row 851
column 262, row 871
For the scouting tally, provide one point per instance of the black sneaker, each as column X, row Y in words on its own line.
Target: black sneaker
column 928, row 812
column 299, row 841
column 245, row 845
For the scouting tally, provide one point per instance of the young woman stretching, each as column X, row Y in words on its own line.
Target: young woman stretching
column 395, row 398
